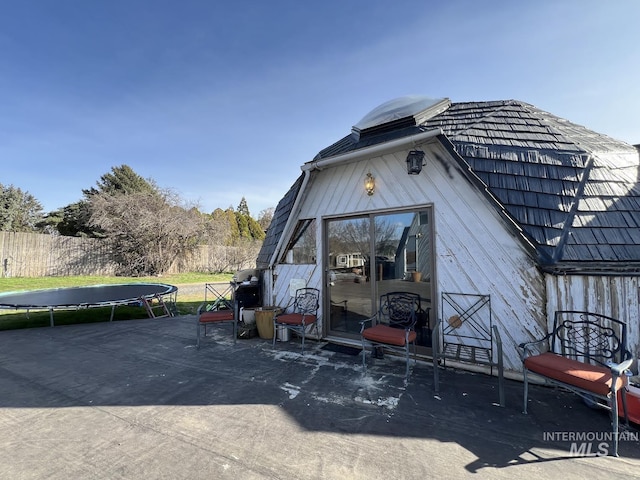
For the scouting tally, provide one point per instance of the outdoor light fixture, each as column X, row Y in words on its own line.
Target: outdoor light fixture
column 369, row 184
column 415, row 162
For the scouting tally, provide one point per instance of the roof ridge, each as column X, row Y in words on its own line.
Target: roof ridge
column 488, row 115
column 566, row 229
column 553, row 122
column 544, row 118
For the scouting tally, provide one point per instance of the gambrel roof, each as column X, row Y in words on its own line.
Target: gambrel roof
column 278, row 223
column 574, row 194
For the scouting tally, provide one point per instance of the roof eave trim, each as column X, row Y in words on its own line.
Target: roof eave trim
column 290, row 219
column 413, row 140
column 599, row 269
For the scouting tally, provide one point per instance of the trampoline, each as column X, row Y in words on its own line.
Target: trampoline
column 90, row 297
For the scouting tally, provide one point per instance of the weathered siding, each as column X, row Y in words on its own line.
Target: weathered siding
column 473, row 251
column 617, row 297
column 476, row 254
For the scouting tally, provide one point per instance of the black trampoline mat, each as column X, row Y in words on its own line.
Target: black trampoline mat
column 96, row 295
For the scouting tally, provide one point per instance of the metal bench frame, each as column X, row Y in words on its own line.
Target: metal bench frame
column 592, row 339
column 465, row 333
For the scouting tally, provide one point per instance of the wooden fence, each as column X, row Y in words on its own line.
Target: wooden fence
column 38, row 255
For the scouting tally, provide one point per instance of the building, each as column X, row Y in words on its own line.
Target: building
column 497, row 198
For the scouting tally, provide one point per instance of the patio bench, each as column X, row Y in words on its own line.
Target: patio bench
column 585, row 353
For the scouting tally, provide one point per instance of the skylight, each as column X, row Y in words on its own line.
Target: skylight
column 417, row 106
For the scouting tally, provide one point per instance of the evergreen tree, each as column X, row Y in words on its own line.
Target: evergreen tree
column 75, row 220
column 243, row 225
column 255, row 230
column 121, row 180
column 19, row 211
column 248, row 227
column 124, row 180
column 233, row 223
column 243, row 209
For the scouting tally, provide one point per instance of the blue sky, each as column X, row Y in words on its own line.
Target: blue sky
column 217, row 100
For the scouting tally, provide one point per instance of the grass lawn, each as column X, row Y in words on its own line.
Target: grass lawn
column 186, row 304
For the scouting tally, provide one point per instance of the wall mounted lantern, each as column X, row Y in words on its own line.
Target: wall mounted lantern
column 369, row 184
column 415, row 162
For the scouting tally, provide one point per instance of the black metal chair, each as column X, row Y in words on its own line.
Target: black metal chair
column 394, row 327
column 300, row 314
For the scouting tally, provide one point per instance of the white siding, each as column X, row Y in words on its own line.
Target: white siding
column 474, row 253
column 617, row 297
column 278, row 293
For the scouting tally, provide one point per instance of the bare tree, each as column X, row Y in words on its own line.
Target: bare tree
column 147, row 231
column 219, row 229
column 265, row 217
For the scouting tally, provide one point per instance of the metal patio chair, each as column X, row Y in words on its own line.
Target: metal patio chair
column 300, row 314
column 220, row 310
column 395, row 325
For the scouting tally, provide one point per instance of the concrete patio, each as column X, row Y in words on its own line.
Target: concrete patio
column 135, row 399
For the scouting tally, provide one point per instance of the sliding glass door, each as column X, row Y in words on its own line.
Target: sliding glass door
column 348, row 245
column 370, row 255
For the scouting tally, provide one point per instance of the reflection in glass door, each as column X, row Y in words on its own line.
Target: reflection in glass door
column 348, row 248
column 403, row 261
column 376, row 254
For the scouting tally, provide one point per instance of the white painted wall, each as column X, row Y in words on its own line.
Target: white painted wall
column 474, row 253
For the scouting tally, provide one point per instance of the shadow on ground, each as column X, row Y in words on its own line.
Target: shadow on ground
column 134, row 398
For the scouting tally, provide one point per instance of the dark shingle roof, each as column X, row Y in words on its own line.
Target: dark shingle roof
column 573, row 192
column 278, row 223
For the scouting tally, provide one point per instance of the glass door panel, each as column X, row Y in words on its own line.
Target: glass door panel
column 372, row 255
column 348, row 251
column 402, row 253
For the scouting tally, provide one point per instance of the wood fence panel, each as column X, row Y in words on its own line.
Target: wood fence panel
column 39, row 255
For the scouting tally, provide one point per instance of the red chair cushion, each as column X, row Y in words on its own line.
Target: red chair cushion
column 216, row 316
column 592, row 378
column 296, row 319
column 389, row 335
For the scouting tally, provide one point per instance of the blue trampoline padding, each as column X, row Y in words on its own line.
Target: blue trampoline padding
column 91, row 296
